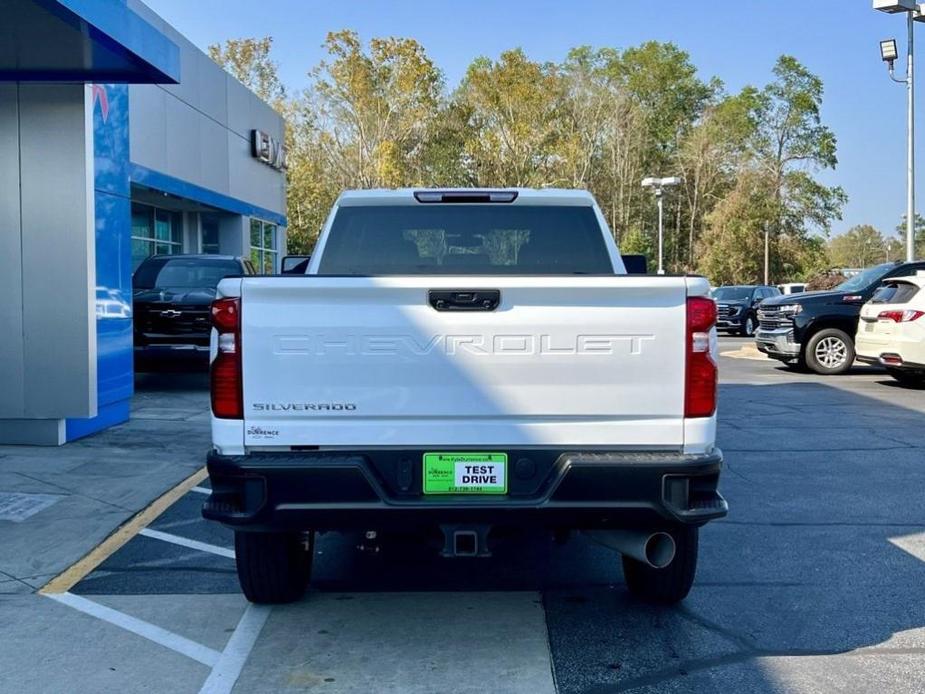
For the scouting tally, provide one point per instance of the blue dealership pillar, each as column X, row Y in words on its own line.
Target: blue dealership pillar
column 65, row 220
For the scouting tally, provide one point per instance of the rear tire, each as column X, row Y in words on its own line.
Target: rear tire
column 907, row 378
column 669, row 585
column 273, row 567
column 829, row 352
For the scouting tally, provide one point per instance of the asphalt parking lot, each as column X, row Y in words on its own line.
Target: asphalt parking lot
column 813, row 582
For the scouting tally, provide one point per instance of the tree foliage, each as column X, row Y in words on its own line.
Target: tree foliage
column 897, row 247
column 379, row 115
column 249, row 61
column 861, row 246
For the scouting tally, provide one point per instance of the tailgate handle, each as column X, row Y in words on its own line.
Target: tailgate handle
column 464, row 299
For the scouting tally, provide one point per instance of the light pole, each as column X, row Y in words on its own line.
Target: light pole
column 767, row 254
column 889, row 53
column 658, row 186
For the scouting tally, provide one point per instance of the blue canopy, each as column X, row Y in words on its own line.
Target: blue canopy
column 83, row 41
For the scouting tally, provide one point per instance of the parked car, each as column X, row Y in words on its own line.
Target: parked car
column 817, row 329
column 171, row 296
column 461, row 362
column 892, row 329
column 737, row 307
column 792, row 287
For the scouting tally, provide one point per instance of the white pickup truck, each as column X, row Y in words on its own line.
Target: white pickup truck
column 464, row 362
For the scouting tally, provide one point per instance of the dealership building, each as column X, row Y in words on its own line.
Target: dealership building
column 119, row 139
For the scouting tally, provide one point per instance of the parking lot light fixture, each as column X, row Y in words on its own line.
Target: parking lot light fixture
column 894, row 6
column 888, row 51
column 658, row 185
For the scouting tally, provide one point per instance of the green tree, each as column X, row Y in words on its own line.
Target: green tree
column 512, row 131
column 378, row 114
column 710, row 156
column 635, row 242
column 373, row 108
column 897, row 247
column 603, row 143
column 860, row 246
column 248, row 60
column 661, row 78
column 733, row 243
column 664, row 84
column 789, row 145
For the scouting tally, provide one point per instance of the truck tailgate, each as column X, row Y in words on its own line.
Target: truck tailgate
column 368, row 361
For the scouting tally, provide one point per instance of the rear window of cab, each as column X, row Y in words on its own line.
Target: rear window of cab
column 470, row 239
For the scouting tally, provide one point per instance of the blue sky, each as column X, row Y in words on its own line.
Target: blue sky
column 737, row 41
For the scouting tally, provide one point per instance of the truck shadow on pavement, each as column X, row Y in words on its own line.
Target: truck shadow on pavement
column 822, row 554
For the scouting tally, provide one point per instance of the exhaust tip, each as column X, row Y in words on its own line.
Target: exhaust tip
column 659, row 550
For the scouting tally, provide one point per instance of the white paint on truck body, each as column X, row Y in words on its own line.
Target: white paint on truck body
column 366, row 362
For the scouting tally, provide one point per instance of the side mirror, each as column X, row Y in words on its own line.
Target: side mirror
column 294, row 264
column 635, row 264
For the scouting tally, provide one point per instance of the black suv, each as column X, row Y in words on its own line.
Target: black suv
column 736, row 306
column 171, row 297
column 816, row 329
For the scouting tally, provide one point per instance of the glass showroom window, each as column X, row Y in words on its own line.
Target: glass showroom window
column 264, row 248
column 209, row 239
column 155, row 231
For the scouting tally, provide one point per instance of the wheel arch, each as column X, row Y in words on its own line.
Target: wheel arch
column 845, row 324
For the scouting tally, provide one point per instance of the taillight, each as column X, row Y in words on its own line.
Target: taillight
column 701, row 372
column 901, row 316
column 227, row 394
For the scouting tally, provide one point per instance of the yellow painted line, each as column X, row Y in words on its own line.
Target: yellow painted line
column 747, row 350
column 71, row 576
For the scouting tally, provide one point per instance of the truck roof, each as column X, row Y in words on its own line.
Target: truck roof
column 524, row 196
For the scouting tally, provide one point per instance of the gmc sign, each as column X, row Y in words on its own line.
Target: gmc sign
column 269, row 150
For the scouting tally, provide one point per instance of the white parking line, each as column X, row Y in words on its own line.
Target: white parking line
column 186, row 542
column 175, row 642
column 914, row 544
column 228, row 668
column 201, row 490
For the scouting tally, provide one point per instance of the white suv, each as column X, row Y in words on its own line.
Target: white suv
column 891, row 331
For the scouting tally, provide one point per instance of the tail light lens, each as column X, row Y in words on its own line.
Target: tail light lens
column 906, row 316
column 227, row 393
column 701, row 372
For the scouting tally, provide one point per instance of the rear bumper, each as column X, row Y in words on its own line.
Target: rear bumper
column 898, row 351
column 879, row 361
column 157, row 355
column 325, row 490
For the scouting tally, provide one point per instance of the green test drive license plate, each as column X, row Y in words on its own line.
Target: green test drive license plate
column 465, row 473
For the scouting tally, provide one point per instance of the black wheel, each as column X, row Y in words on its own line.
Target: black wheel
column 829, row 352
column 273, row 567
column 910, row 379
column 671, row 584
column 749, row 326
